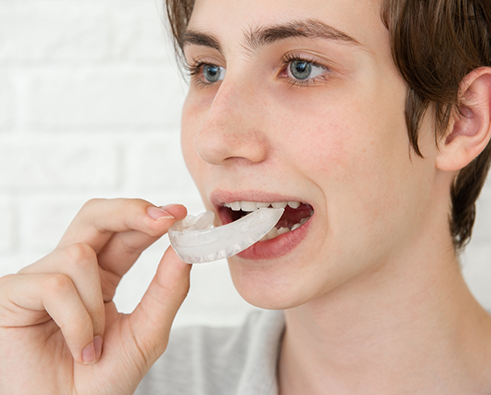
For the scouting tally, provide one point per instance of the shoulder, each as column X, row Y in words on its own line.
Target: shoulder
column 207, row 360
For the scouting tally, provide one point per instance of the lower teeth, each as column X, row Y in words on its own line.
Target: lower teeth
column 275, row 232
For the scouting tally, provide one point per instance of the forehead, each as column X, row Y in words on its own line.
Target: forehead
column 234, row 21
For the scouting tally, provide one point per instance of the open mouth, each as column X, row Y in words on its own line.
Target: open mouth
column 296, row 214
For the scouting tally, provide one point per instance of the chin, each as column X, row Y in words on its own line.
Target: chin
column 265, row 286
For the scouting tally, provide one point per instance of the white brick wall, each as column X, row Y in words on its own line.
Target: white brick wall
column 89, row 107
column 7, row 226
column 90, row 101
column 6, row 104
column 127, row 98
column 67, row 163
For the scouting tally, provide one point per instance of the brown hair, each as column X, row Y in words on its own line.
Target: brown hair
column 435, row 44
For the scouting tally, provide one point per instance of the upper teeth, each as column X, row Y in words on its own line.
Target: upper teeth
column 252, row 206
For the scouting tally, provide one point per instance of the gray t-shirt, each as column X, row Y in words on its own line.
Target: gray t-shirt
column 220, row 361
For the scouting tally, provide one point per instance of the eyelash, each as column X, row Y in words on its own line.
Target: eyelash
column 196, row 68
column 289, row 58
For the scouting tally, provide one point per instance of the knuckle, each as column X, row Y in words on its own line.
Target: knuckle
column 135, row 203
column 80, row 254
column 179, row 290
column 78, row 325
column 109, row 283
column 91, row 203
column 97, row 319
column 5, row 279
column 183, row 289
column 82, row 320
column 139, row 201
column 155, row 232
column 58, row 283
column 129, row 247
column 127, row 205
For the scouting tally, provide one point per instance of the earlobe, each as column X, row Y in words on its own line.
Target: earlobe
column 470, row 131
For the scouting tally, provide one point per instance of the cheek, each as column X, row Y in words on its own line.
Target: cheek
column 190, row 122
column 357, row 155
column 327, row 141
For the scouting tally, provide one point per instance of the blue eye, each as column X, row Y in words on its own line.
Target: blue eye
column 213, row 73
column 302, row 69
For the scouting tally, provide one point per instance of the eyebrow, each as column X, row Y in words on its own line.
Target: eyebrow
column 197, row 38
column 311, row 28
column 265, row 35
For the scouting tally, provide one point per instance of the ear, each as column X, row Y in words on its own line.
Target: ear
column 470, row 131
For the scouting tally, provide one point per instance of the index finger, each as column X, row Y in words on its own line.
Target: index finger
column 99, row 219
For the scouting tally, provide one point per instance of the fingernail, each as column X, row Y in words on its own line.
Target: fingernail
column 88, row 354
column 97, row 347
column 158, row 213
column 168, row 206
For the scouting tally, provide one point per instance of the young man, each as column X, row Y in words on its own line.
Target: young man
column 371, row 119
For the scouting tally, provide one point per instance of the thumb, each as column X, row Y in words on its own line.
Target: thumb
column 152, row 319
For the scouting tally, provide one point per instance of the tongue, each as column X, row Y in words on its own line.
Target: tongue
column 293, row 216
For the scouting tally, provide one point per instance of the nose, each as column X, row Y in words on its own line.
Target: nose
column 233, row 130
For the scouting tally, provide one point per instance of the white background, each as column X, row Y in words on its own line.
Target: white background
column 90, row 100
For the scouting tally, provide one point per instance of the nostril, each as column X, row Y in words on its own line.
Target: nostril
column 210, row 147
column 217, row 147
column 232, row 131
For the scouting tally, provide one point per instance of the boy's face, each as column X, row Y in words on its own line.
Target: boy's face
column 311, row 109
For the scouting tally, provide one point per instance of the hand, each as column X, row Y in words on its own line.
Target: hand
column 57, row 314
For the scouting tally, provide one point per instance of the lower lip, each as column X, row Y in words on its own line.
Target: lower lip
column 277, row 247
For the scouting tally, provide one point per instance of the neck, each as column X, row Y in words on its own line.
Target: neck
column 412, row 326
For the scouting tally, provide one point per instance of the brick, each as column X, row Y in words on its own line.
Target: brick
column 44, row 221
column 7, row 226
column 6, row 105
column 142, row 38
column 223, row 294
column 213, row 300
column 121, row 99
column 156, row 164
column 136, row 281
column 74, row 163
column 80, row 68
column 45, row 218
column 29, row 36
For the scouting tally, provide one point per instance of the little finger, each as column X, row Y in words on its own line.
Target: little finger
column 56, row 294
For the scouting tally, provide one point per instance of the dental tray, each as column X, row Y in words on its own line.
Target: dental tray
column 195, row 241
